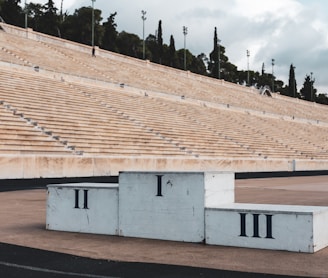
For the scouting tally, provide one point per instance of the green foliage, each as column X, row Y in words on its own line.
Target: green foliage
column 291, row 89
column 259, row 80
column 228, row 71
column 160, row 42
column 194, row 64
column 308, row 92
column 172, row 54
column 215, row 56
column 151, row 47
column 49, row 20
column 322, row 99
column 197, row 65
column 219, row 65
column 12, row 13
column 265, row 80
column 34, row 12
column 78, row 27
column 129, row 44
column 109, row 41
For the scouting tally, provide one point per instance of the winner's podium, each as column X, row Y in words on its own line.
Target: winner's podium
column 275, row 227
column 184, row 206
column 83, row 207
column 170, row 206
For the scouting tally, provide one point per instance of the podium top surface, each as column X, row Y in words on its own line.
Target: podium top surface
column 269, row 208
column 85, row 185
column 176, row 172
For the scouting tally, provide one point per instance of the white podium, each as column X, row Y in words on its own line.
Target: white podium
column 275, row 227
column 83, row 207
column 170, row 206
column 184, row 206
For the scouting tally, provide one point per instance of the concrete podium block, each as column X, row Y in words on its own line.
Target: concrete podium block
column 275, row 227
column 83, row 207
column 170, row 205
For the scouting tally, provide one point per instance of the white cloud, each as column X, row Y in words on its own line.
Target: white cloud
column 259, row 10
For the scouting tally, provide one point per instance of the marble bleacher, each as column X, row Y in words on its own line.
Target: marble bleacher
column 76, row 119
column 154, row 77
column 236, row 136
column 148, row 115
column 20, row 137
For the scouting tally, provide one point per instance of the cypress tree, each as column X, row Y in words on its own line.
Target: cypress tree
column 292, row 86
column 214, row 57
column 172, row 52
column 160, row 42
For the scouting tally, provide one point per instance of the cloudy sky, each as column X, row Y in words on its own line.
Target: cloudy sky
column 289, row 31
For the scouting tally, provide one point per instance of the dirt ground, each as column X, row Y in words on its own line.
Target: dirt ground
column 23, row 216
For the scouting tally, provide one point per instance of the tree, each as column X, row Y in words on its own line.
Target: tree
column 160, row 42
column 197, row 65
column 263, row 69
column 228, row 70
column 78, row 26
column 260, row 80
column 308, row 92
column 61, row 14
column 34, row 14
column 213, row 65
column 151, row 47
column 194, row 64
column 11, row 12
column 219, row 65
column 172, row 53
column 241, row 77
column 292, row 87
column 110, row 33
column 49, row 20
column 322, row 98
column 129, row 44
column 278, row 85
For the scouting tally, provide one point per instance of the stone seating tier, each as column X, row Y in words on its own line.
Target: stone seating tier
column 128, row 119
column 120, row 69
column 98, row 119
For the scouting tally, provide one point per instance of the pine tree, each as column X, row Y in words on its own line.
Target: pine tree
column 11, row 12
column 49, row 21
column 110, row 35
column 308, row 92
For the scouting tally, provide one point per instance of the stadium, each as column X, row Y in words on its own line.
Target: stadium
column 67, row 115
column 62, row 107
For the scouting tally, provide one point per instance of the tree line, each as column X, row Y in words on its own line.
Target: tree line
column 77, row 27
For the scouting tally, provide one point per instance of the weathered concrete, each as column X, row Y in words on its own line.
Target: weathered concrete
column 170, row 205
column 23, row 216
column 274, row 227
column 36, row 166
column 83, row 207
column 184, row 206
